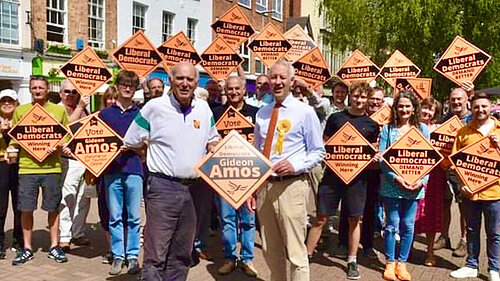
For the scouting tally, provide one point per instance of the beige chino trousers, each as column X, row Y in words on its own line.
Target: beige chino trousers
column 282, row 211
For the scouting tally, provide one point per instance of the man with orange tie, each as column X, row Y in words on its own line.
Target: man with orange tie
column 288, row 132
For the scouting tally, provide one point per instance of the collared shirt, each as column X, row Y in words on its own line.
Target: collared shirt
column 302, row 144
column 468, row 135
column 176, row 138
column 266, row 99
column 119, row 119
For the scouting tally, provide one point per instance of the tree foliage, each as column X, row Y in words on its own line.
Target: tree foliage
column 421, row 29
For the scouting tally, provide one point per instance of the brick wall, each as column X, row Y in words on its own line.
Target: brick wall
column 111, row 24
column 78, row 22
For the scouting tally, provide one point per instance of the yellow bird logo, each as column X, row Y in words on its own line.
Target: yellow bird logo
column 196, row 124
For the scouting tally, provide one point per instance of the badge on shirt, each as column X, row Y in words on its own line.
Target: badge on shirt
column 283, row 127
column 196, row 123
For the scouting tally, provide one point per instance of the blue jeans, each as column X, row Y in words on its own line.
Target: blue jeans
column 473, row 213
column 232, row 220
column 379, row 217
column 400, row 213
column 124, row 191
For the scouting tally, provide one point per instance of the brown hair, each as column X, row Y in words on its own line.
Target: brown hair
column 415, row 118
column 110, row 93
column 361, row 87
column 340, row 84
column 433, row 103
column 39, row 78
column 480, row 95
column 127, row 77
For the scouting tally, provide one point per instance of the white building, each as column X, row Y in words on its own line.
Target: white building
column 15, row 47
column 160, row 19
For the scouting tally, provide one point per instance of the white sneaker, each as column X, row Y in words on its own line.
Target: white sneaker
column 464, row 272
column 494, row 276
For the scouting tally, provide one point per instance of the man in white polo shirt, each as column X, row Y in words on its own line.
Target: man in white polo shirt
column 179, row 129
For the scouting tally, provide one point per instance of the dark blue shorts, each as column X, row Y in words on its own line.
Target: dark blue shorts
column 331, row 192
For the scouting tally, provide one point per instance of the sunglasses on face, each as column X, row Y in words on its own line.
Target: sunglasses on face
column 72, row 92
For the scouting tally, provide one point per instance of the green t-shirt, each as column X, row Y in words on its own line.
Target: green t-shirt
column 29, row 165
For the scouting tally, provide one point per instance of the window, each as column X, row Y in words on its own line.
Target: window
column 278, row 9
column 56, row 27
column 9, row 21
column 138, row 17
column 191, row 29
column 261, row 5
column 168, row 26
column 245, row 54
column 96, row 23
column 260, row 68
column 245, row 3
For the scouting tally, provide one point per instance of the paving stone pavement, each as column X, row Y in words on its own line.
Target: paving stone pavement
column 85, row 262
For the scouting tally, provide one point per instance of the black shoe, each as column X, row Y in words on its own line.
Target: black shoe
column 195, row 258
column 352, row 271
column 116, row 267
column 23, row 256
column 2, row 254
column 57, row 254
column 133, row 266
column 107, row 258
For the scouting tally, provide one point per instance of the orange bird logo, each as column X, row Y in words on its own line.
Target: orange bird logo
column 411, row 142
column 196, row 124
column 37, row 118
column 459, row 49
column 270, row 34
column 179, row 43
column 484, row 149
column 219, row 48
column 355, row 61
column 347, row 137
column 234, row 17
column 236, row 187
column 314, row 59
column 452, row 129
column 138, row 42
column 87, row 59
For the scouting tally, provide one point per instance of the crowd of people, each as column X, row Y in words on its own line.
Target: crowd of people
column 164, row 139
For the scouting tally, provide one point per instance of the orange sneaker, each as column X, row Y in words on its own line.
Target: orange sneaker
column 402, row 273
column 389, row 272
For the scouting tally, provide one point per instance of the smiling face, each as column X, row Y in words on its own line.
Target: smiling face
column 427, row 113
column 184, row 80
column 359, row 100
column 156, row 88
column 339, row 94
column 405, row 109
column 481, row 109
column 281, row 81
column 69, row 95
column 234, row 91
column 458, row 101
column 375, row 102
column 7, row 105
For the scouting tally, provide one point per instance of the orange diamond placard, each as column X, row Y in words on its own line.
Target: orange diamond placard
column 232, row 119
column 348, row 153
column 74, row 126
column 38, row 131
column 137, row 54
column 270, row 45
column 235, row 170
column 234, row 27
column 477, row 165
column 220, row 59
column 177, row 49
column 86, row 72
column 412, row 156
column 357, row 68
column 382, row 116
column 312, row 68
column 419, row 86
column 443, row 137
column 95, row 144
column 398, row 66
column 462, row 61
column 300, row 41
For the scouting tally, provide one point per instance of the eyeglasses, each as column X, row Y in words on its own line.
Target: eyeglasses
column 68, row 91
column 124, row 86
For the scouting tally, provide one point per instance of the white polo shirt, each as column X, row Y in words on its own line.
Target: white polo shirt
column 176, row 140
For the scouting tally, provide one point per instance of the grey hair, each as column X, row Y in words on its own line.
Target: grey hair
column 174, row 68
column 286, row 64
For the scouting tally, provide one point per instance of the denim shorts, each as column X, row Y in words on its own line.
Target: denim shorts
column 28, row 192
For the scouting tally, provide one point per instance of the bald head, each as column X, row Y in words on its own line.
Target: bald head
column 183, row 79
column 235, row 91
column 458, row 102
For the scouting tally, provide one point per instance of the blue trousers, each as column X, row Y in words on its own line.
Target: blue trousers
column 124, row 192
column 231, row 221
column 473, row 213
column 400, row 213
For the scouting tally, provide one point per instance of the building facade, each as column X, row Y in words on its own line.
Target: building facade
column 259, row 13
column 160, row 19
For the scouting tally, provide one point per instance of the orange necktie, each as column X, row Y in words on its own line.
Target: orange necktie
column 270, row 130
